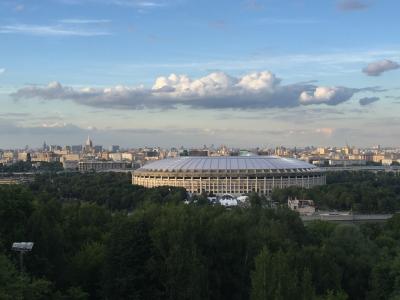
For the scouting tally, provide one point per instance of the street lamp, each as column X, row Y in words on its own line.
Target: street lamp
column 22, row 248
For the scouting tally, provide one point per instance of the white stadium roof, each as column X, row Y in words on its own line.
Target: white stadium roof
column 223, row 163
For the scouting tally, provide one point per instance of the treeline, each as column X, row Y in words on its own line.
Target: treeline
column 114, row 191
column 363, row 192
column 27, row 166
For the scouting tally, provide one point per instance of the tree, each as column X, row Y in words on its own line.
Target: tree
column 16, row 286
column 128, row 259
column 15, row 209
column 86, row 269
column 353, row 253
column 10, row 283
column 274, row 279
column 45, row 228
column 338, row 295
column 307, row 288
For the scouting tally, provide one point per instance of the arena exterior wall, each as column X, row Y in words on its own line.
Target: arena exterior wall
column 229, row 175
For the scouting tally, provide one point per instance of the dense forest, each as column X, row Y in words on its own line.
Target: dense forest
column 99, row 237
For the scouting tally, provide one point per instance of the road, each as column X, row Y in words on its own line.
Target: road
column 395, row 169
column 342, row 218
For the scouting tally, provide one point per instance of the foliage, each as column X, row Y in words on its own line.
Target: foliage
column 111, row 190
column 27, row 166
column 363, row 192
column 98, row 237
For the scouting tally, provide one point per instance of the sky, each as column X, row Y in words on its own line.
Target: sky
column 242, row 73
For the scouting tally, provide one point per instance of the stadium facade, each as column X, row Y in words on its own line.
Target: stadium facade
column 235, row 175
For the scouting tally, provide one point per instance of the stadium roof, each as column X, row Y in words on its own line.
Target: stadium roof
column 221, row 163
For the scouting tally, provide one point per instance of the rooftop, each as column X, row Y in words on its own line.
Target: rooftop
column 188, row 163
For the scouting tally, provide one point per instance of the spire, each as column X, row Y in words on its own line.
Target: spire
column 89, row 142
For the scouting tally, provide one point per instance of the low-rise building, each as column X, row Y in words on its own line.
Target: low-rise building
column 347, row 162
column 127, row 156
column 24, row 156
column 98, row 165
column 70, row 157
column 303, row 207
column 389, row 161
column 9, row 156
column 378, row 158
column 71, row 165
column 198, row 152
column 117, row 156
column 44, row 156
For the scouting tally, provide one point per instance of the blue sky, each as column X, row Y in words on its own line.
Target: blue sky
column 245, row 73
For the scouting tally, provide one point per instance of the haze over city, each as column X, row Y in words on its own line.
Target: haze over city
column 184, row 72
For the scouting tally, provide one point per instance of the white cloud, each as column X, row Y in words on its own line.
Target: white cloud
column 378, row 67
column 2, row 71
column 328, row 95
column 216, row 90
column 49, row 30
column 259, row 81
column 54, row 125
column 84, row 21
column 323, row 64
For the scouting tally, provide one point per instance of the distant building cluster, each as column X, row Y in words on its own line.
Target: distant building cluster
column 351, row 156
column 85, row 158
column 91, row 157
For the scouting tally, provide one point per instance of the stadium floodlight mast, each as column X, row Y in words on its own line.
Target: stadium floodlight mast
column 22, row 248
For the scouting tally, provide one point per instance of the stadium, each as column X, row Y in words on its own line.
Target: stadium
column 235, row 175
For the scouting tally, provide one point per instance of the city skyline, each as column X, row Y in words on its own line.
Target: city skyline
column 47, row 146
column 167, row 73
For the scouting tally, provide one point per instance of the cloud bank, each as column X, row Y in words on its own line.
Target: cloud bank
column 256, row 90
column 18, row 135
column 378, row 67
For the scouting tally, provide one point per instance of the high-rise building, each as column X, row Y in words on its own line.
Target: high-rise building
column 114, row 148
column 76, row 148
column 45, row 147
column 98, row 148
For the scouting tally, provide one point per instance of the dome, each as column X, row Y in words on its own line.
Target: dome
column 226, row 163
